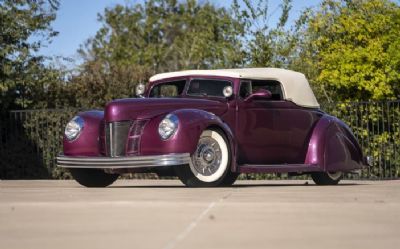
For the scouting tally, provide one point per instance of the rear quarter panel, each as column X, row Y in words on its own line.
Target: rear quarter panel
column 333, row 146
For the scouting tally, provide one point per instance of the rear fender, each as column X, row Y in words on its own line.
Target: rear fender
column 333, row 146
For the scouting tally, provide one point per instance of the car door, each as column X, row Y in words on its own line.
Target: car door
column 271, row 131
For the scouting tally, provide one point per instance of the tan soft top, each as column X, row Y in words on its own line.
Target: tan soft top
column 295, row 85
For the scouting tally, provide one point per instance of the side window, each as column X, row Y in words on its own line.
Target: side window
column 169, row 90
column 247, row 88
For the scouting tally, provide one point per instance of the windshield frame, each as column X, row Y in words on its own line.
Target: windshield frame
column 206, row 78
column 188, row 79
column 166, row 81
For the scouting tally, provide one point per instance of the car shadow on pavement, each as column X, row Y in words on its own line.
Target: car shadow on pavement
column 239, row 185
column 291, row 185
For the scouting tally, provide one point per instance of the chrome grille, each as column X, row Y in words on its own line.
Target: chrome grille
column 116, row 135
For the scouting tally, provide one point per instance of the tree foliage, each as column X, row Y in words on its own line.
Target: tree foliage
column 265, row 45
column 156, row 36
column 167, row 35
column 25, row 80
column 351, row 49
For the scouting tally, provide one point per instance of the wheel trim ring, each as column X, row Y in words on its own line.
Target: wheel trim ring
column 224, row 159
column 334, row 175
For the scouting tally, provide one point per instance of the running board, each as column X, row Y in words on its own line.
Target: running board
column 278, row 168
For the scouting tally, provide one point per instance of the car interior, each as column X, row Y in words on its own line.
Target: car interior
column 248, row 87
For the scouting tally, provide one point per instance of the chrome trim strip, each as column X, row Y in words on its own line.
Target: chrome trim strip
column 122, row 162
column 111, row 142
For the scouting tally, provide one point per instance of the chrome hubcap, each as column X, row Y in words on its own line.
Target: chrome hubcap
column 207, row 157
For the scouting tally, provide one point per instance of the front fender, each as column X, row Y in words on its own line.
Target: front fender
column 87, row 144
column 333, row 146
column 192, row 122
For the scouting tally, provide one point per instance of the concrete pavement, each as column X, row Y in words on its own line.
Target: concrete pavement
column 163, row 214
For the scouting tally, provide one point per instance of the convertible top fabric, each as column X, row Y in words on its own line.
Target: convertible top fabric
column 295, row 85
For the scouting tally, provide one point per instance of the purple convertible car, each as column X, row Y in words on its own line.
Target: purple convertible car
column 208, row 126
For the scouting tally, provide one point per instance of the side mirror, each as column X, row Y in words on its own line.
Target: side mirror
column 227, row 91
column 260, row 94
column 140, row 88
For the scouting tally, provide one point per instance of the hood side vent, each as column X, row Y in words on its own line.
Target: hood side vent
column 135, row 136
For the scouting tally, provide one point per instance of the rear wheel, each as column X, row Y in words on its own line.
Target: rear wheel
column 327, row 178
column 93, row 178
column 210, row 162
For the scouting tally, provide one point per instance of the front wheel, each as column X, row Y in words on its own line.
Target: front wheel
column 326, row 178
column 93, row 178
column 209, row 163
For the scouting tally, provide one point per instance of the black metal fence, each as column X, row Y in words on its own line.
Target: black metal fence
column 377, row 128
column 31, row 139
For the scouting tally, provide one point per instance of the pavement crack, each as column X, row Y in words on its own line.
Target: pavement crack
column 189, row 228
column 172, row 244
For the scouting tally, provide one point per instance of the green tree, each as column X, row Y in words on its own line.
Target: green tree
column 351, row 49
column 25, row 27
column 156, row 36
column 350, row 52
column 95, row 86
column 265, row 45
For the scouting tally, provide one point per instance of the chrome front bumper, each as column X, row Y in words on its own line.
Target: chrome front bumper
column 122, row 162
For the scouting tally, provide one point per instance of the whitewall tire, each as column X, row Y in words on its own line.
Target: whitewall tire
column 210, row 163
column 210, row 160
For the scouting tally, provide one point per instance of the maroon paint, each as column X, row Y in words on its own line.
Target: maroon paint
column 264, row 135
column 273, row 132
column 192, row 122
column 279, row 168
column 145, row 108
column 333, row 147
column 87, row 144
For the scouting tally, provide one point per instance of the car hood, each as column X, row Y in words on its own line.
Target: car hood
column 130, row 109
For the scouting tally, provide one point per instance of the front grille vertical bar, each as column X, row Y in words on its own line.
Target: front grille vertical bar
column 111, row 141
column 117, row 134
column 107, row 145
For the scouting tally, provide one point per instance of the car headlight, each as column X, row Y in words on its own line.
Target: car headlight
column 74, row 128
column 168, row 126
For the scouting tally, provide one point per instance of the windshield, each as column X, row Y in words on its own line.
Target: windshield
column 206, row 87
column 168, row 89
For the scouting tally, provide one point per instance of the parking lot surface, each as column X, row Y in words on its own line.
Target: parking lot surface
column 163, row 214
